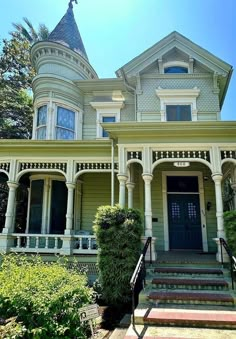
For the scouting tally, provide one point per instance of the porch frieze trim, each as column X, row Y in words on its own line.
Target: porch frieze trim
column 172, row 160
column 5, row 166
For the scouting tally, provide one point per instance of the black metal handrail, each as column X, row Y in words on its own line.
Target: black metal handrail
column 232, row 258
column 140, row 272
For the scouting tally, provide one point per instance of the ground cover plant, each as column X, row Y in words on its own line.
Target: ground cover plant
column 42, row 298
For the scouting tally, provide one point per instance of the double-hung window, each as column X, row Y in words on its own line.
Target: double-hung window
column 41, row 123
column 178, row 113
column 65, row 124
column 107, row 119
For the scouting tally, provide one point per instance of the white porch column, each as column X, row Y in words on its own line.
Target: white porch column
column 122, row 180
column 217, row 178
column 148, row 204
column 70, row 207
column 10, row 207
column 130, row 187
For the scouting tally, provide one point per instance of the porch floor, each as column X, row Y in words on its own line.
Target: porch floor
column 186, row 257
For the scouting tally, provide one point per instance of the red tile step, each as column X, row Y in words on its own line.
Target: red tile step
column 205, row 283
column 186, row 270
column 195, row 318
column 195, row 297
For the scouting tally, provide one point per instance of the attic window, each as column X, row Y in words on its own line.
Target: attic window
column 176, row 69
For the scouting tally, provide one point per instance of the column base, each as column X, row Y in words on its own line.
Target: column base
column 153, row 249
column 6, row 242
column 68, row 243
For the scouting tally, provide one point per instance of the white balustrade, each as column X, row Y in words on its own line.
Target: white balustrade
column 53, row 243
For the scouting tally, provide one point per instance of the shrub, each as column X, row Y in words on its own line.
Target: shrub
column 44, row 297
column 230, row 229
column 118, row 232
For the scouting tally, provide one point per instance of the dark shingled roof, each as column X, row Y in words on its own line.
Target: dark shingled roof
column 66, row 33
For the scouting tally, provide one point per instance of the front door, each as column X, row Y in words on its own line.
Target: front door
column 184, row 213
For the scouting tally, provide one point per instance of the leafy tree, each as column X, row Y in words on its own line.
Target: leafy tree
column 16, row 74
column 30, row 33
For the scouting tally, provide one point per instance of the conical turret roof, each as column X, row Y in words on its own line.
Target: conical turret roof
column 67, row 33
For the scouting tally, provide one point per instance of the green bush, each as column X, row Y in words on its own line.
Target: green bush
column 44, row 297
column 118, row 232
column 230, row 229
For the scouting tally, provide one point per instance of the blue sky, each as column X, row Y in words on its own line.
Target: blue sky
column 114, row 32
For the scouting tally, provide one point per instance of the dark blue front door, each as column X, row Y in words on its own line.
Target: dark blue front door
column 184, row 221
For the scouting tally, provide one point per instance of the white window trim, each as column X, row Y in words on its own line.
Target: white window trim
column 176, row 64
column 106, row 109
column 52, row 119
column 178, row 97
column 188, row 65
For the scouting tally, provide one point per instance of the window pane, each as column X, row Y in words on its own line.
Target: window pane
column 36, row 206
column 41, row 133
column 176, row 69
column 107, row 119
column 42, row 115
column 65, row 118
column 64, row 134
column 178, row 113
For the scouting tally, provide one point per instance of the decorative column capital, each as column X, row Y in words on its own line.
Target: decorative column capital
column 70, row 185
column 12, row 184
column 130, row 185
column 217, row 177
column 147, row 177
column 122, row 177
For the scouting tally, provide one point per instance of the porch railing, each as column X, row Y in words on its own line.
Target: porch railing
column 52, row 243
column 232, row 258
column 139, row 275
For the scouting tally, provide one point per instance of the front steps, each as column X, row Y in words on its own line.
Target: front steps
column 181, row 295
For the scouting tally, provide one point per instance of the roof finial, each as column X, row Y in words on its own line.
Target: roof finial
column 70, row 3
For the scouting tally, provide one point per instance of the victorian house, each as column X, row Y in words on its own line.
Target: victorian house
column 151, row 138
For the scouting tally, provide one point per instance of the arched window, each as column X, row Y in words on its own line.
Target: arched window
column 65, row 124
column 41, row 123
column 176, row 69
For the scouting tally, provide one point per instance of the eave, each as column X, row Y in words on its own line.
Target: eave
column 193, row 129
column 100, row 85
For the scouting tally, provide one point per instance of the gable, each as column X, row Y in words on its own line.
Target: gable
column 173, row 46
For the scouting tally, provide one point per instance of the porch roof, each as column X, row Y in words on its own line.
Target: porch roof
column 184, row 131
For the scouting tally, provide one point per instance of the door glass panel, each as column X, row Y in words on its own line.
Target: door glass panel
column 182, row 184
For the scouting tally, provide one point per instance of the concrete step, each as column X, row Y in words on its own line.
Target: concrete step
column 175, row 332
column 193, row 284
column 188, row 297
column 188, row 271
column 186, row 318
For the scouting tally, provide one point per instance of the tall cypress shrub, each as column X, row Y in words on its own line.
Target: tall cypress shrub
column 118, row 232
column 230, row 229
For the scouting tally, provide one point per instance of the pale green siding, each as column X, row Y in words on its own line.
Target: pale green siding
column 148, row 104
column 96, row 191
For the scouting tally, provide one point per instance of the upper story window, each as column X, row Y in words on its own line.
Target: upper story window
column 178, row 113
column 175, row 69
column 107, row 112
column 65, row 126
column 178, row 104
column 41, row 122
column 107, row 119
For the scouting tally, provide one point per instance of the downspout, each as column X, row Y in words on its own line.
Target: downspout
column 132, row 89
column 112, row 173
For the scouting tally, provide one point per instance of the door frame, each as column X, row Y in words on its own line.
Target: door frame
column 198, row 174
